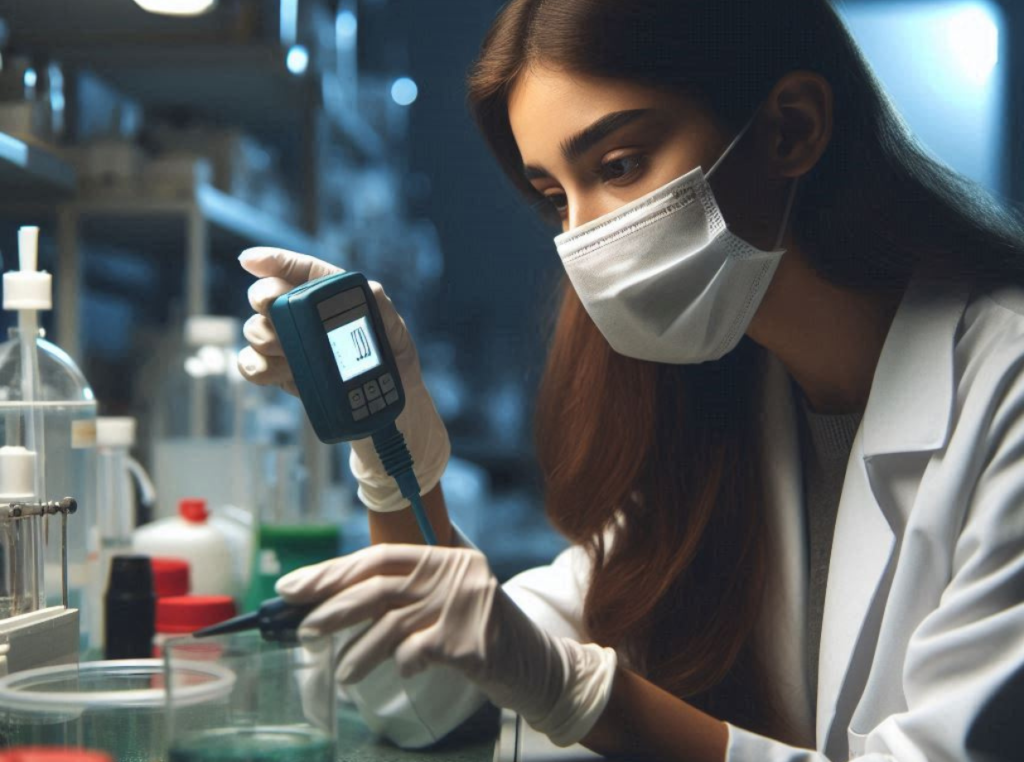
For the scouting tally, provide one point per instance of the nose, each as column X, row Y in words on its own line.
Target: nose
column 583, row 208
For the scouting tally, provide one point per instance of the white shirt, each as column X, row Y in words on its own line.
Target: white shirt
column 922, row 642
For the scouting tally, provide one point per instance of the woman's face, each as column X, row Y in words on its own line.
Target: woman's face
column 590, row 145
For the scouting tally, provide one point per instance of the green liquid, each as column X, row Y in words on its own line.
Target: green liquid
column 266, row 744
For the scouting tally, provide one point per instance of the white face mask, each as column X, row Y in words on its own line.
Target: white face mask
column 664, row 279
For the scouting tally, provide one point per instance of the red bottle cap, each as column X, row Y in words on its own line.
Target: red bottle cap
column 187, row 613
column 170, row 577
column 193, row 509
column 53, row 754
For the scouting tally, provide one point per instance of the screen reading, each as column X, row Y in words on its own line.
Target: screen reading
column 355, row 348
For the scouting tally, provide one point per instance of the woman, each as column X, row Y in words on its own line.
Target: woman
column 786, row 451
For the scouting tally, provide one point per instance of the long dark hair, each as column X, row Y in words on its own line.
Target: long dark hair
column 673, row 450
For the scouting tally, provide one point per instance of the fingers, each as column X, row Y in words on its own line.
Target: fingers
column 371, row 598
column 265, row 291
column 268, row 262
column 394, row 325
column 318, row 582
column 263, row 370
column 260, row 333
column 379, row 642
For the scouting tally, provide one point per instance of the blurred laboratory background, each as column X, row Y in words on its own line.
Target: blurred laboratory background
column 151, row 149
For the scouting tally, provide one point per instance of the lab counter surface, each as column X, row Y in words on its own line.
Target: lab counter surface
column 473, row 743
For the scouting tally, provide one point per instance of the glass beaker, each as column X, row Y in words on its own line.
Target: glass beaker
column 114, row 706
column 21, row 565
column 280, row 707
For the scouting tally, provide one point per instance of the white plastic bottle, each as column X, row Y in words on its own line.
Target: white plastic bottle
column 190, row 536
column 117, row 473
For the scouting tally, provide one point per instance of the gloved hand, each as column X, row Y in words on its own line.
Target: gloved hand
column 263, row 362
column 434, row 605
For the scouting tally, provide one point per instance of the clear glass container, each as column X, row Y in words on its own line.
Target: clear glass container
column 21, row 566
column 280, row 707
column 65, row 414
column 119, row 707
column 203, row 427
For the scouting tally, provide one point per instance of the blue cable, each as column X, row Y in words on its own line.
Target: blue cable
column 397, row 460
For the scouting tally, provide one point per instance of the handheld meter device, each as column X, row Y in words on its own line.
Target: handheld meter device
column 345, row 372
column 335, row 343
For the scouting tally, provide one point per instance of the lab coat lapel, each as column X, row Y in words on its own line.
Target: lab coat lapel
column 908, row 413
column 781, row 626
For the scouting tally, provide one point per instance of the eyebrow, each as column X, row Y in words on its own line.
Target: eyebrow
column 574, row 148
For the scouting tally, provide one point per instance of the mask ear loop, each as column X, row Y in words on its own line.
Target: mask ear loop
column 732, row 145
column 785, row 214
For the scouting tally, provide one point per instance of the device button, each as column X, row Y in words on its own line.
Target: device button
column 391, row 397
column 372, row 390
column 360, row 413
column 356, row 398
column 387, row 383
column 377, row 405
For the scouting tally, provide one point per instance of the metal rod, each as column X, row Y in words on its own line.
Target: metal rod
column 49, row 508
column 64, row 558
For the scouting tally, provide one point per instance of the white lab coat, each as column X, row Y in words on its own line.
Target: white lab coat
column 922, row 643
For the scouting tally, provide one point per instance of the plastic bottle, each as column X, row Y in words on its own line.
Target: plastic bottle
column 115, row 507
column 170, row 577
column 182, row 615
column 191, row 537
column 47, row 406
column 130, row 609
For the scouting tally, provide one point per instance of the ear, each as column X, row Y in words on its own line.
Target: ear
column 797, row 123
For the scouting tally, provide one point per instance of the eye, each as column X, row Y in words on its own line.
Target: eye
column 622, row 169
column 558, row 202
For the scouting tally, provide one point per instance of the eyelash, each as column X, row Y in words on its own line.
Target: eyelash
column 602, row 173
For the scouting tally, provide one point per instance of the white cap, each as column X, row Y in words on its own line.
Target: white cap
column 27, row 288
column 17, row 474
column 218, row 330
column 115, row 431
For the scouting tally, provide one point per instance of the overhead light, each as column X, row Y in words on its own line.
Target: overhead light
column 177, row 7
column 973, row 36
column 297, row 60
column 404, row 91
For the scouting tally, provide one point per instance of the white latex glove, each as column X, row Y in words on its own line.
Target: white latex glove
column 263, row 362
column 434, row 605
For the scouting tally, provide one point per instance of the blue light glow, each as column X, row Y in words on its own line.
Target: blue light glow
column 940, row 63
column 298, row 60
column 346, row 25
column 973, row 39
column 404, row 91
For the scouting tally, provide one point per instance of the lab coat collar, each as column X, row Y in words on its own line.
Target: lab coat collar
column 911, row 400
column 909, row 411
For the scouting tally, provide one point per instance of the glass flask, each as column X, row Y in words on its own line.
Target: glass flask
column 64, row 411
column 279, row 708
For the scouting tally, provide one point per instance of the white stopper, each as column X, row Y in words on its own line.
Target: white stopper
column 213, row 330
column 17, row 474
column 115, row 431
column 28, row 248
column 25, row 288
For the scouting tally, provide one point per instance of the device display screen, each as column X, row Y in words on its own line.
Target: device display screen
column 355, row 348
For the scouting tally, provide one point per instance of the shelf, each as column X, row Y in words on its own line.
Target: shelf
column 32, row 173
column 244, row 85
column 160, row 225
column 237, row 222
